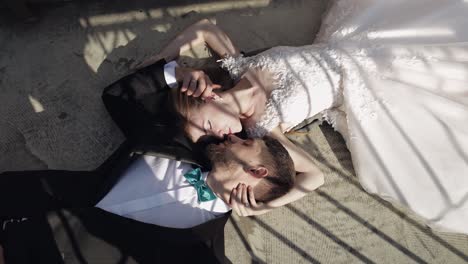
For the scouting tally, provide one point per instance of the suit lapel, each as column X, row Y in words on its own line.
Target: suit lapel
column 114, row 167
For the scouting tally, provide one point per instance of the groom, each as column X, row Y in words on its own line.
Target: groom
column 184, row 207
column 145, row 193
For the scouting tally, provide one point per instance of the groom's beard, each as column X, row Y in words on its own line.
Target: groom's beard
column 216, row 154
column 220, row 156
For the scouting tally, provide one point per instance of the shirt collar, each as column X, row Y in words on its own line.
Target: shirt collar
column 217, row 205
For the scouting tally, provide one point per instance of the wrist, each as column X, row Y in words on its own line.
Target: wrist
column 179, row 73
column 278, row 202
column 263, row 209
column 170, row 74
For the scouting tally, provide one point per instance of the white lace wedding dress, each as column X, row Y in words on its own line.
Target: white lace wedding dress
column 392, row 78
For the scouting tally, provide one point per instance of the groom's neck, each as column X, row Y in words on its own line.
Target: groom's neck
column 217, row 186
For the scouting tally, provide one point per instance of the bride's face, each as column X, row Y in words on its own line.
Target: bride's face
column 213, row 118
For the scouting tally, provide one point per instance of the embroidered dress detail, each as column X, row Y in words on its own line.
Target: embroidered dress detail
column 306, row 82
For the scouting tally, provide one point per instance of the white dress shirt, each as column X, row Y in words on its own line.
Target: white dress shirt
column 153, row 190
column 169, row 74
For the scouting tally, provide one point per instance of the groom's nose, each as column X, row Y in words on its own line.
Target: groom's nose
column 233, row 138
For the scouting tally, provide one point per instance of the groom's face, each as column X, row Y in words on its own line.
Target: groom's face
column 233, row 159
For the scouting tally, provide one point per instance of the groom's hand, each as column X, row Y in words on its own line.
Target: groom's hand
column 196, row 83
column 242, row 201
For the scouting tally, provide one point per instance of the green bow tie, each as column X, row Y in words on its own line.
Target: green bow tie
column 194, row 177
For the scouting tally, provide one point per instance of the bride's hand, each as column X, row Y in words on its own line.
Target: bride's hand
column 242, row 201
column 196, row 83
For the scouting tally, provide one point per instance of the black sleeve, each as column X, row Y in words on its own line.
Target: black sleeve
column 138, row 104
column 135, row 100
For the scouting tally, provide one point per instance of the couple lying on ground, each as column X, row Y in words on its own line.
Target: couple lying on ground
column 399, row 100
column 390, row 93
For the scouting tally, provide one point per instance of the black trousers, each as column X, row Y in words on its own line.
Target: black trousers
column 26, row 197
column 29, row 193
column 26, row 193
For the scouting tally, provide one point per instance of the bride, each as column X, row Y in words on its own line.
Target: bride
column 390, row 76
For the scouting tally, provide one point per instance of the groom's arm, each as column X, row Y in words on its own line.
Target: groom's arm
column 137, row 104
column 133, row 100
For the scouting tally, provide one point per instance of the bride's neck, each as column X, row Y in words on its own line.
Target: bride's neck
column 243, row 98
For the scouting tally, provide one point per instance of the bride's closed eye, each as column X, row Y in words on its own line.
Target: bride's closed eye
column 208, row 127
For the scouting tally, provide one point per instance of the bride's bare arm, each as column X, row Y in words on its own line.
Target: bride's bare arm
column 308, row 178
column 201, row 32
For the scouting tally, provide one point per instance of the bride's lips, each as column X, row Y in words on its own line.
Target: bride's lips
column 222, row 133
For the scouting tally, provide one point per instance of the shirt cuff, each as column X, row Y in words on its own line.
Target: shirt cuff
column 169, row 74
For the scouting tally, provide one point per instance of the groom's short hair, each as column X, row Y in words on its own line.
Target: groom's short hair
column 281, row 172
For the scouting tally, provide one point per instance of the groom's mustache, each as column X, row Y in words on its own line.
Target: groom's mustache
column 206, row 140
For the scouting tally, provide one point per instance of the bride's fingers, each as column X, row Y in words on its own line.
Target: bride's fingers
column 232, row 196
column 245, row 198
column 185, row 83
column 207, row 93
column 213, row 86
column 216, row 86
column 252, row 201
column 238, row 205
column 234, row 202
column 192, row 86
column 201, row 87
column 239, row 193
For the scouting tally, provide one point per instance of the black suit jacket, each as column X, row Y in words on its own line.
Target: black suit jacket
column 137, row 104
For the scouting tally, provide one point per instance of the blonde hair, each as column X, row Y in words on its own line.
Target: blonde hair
column 183, row 106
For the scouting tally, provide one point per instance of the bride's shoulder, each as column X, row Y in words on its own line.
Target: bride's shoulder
column 292, row 49
column 281, row 56
column 268, row 59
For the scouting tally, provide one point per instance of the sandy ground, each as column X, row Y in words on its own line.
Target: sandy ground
column 52, row 73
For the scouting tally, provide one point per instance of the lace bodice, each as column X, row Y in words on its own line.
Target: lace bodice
column 307, row 82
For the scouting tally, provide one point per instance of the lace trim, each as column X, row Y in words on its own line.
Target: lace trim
column 296, row 72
